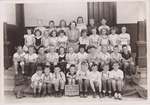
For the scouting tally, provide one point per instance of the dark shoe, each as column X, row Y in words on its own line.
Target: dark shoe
column 34, row 95
column 100, row 95
column 81, row 95
column 85, row 95
column 94, row 94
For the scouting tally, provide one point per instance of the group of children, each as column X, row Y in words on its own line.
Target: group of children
column 95, row 58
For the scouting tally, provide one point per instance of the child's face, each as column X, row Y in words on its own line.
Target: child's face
column 37, row 33
column 92, row 50
column 54, row 34
column 94, row 68
column 19, row 50
column 39, row 72
column 103, row 22
column 29, row 32
column 116, row 66
column 92, row 22
column 84, row 34
column 123, row 29
column 116, row 50
column 106, row 68
column 73, row 25
column 57, row 69
column 72, row 70
column 94, row 31
column 41, row 50
column 104, row 31
column 113, row 31
column 81, row 50
column 51, row 24
column 84, row 67
column 61, row 34
column 61, row 50
column 52, row 49
column 46, row 33
column 62, row 24
column 125, row 49
column 31, row 50
column 104, row 49
column 80, row 20
column 71, row 50
column 46, row 71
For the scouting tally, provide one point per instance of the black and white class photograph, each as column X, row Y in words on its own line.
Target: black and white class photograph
column 79, row 51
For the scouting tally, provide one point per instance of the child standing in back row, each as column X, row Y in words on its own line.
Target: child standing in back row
column 29, row 40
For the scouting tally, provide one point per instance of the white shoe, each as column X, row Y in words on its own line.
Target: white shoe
column 119, row 96
column 115, row 95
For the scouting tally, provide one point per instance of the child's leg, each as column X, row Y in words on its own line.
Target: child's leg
column 92, row 85
column 49, row 88
column 86, row 85
column 16, row 67
column 44, row 88
column 22, row 67
column 56, row 85
column 119, row 85
column 113, row 85
column 109, row 86
column 73, row 81
column 80, row 85
column 69, row 81
column 62, row 84
column 39, row 87
column 32, row 65
column 104, row 85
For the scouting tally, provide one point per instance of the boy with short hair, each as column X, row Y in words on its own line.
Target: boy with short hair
column 83, row 79
column 18, row 59
column 37, row 82
column 47, row 82
column 71, row 75
column 127, row 60
column 116, row 75
column 106, row 81
column 95, row 80
column 59, row 80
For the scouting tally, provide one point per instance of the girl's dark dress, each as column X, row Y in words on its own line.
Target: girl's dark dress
column 62, row 63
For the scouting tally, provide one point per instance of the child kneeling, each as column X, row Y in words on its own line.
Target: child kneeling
column 116, row 76
column 58, row 81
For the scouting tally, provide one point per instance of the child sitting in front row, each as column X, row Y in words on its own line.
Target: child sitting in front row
column 106, row 81
column 83, row 79
column 37, row 82
column 58, row 81
column 95, row 80
column 71, row 75
column 47, row 82
column 116, row 76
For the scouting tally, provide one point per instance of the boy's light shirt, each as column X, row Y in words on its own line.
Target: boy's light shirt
column 95, row 76
column 114, row 39
column 31, row 58
column 36, row 78
column 124, row 38
column 18, row 57
column 116, row 74
column 103, row 27
column 29, row 39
